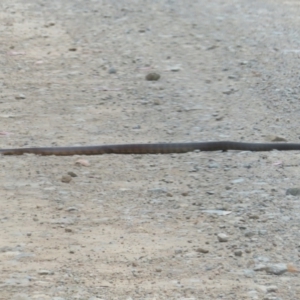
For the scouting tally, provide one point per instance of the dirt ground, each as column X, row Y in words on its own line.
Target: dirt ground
column 186, row 226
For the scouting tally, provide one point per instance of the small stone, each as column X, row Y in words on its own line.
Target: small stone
column 229, row 91
column 136, row 127
column 202, row 250
column 263, row 259
column 73, row 49
column 293, row 191
column 277, row 139
column 112, row 70
column 177, row 251
column 49, row 24
column 259, row 267
column 68, row 230
column 28, row 233
column 239, row 180
column 244, row 63
column 222, row 237
column 276, row 269
column 272, row 289
column 212, row 47
column 249, row 234
column 72, row 174
column 45, row 272
column 20, row 97
column 152, row 77
column 254, row 217
column 158, row 270
column 82, row 162
column 238, row 252
column 71, row 208
column 66, row 178
column 213, row 166
column 175, row 68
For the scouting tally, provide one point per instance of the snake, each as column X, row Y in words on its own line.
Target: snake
column 152, row 148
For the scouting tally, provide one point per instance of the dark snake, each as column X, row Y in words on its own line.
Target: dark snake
column 161, row 148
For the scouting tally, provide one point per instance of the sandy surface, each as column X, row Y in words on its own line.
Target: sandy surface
column 137, row 227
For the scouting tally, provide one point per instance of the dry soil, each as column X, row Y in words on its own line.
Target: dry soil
column 190, row 226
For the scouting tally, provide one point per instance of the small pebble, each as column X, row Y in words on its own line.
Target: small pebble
column 82, row 162
column 136, row 127
column 202, row 250
column 49, row 24
column 212, row 47
column 213, row 166
column 239, row 180
column 259, row 267
column 20, row 97
column 277, row 139
column 45, row 272
column 72, row 174
column 254, row 217
column 293, row 191
column 66, row 178
column 112, row 70
column 222, row 237
column 152, row 77
column 244, row 63
column 229, row 91
column 276, row 269
column 272, row 289
column 175, row 68
column 177, row 251
column 249, row 233
column 71, row 208
column 238, row 252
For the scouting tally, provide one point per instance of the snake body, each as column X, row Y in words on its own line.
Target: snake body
column 161, row 148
